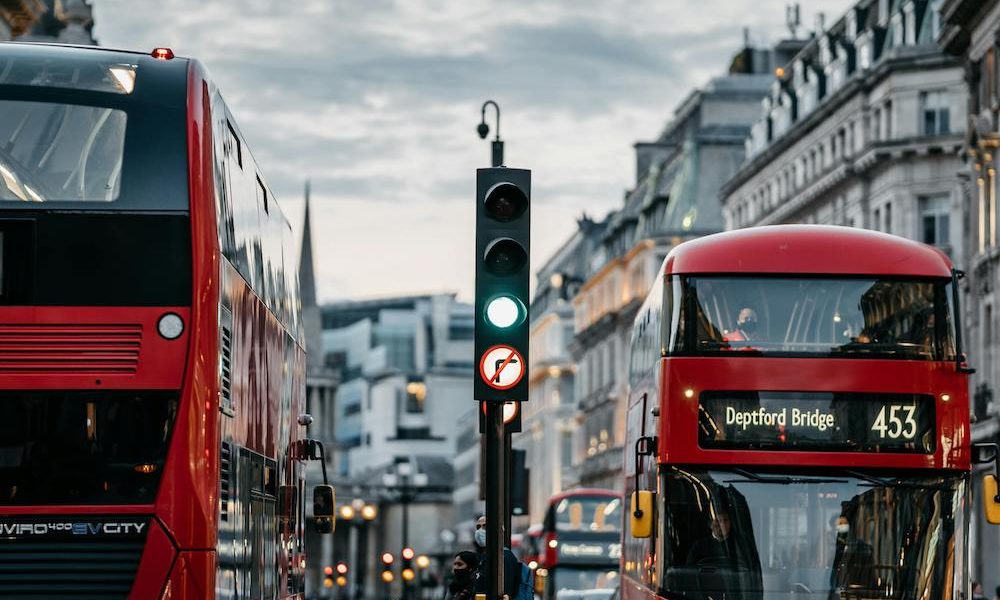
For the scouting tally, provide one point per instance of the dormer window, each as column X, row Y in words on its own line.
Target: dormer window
column 851, row 29
column 910, row 23
column 896, row 31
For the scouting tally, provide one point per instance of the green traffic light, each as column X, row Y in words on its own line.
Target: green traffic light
column 503, row 312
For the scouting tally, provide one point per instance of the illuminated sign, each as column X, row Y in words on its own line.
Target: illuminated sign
column 816, row 421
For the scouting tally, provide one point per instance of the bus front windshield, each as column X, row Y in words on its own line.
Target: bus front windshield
column 843, row 317
column 579, row 513
column 761, row 536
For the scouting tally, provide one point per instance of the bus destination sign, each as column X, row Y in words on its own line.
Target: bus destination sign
column 816, row 421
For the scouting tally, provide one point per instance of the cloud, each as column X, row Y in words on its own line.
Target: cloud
column 377, row 101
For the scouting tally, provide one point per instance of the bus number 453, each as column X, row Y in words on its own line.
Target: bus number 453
column 896, row 427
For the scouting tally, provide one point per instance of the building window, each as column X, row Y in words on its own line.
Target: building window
column 888, row 218
column 877, row 220
column 887, row 114
column 877, row 124
column 566, row 449
column 416, row 393
column 934, row 111
column 935, row 221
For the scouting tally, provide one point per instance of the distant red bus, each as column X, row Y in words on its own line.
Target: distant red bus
column 798, row 421
column 580, row 543
column 151, row 363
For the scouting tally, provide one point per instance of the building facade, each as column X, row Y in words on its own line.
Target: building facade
column 862, row 128
column 971, row 31
column 62, row 22
column 405, row 366
column 18, row 16
column 549, row 417
column 675, row 198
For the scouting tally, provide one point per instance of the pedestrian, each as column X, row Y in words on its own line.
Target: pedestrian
column 977, row 591
column 996, row 595
column 511, row 566
column 463, row 571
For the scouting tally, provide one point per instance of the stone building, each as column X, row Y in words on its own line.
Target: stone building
column 675, row 198
column 549, row 417
column 862, row 128
column 405, row 366
column 18, row 16
column 971, row 31
column 63, row 22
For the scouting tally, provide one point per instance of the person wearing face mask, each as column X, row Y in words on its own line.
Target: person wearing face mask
column 511, row 566
column 463, row 570
column 746, row 327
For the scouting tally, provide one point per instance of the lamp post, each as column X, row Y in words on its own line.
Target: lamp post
column 357, row 515
column 484, row 130
column 406, row 483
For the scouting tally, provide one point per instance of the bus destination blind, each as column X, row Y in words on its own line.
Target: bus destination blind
column 822, row 422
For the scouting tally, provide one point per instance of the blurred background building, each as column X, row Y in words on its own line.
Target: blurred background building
column 405, row 371
column 60, row 21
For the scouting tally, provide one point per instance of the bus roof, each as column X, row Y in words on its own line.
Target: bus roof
column 596, row 492
column 808, row 249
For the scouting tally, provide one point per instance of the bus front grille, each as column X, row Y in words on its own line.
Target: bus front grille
column 69, row 349
column 68, row 558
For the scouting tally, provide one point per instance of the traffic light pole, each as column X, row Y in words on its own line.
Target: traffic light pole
column 495, row 495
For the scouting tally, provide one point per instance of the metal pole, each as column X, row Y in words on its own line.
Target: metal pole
column 506, row 493
column 497, row 153
column 406, row 534
column 493, row 475
column 352, row 553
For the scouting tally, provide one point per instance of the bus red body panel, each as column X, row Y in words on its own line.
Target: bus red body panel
column 88, row 347
column 154, row 568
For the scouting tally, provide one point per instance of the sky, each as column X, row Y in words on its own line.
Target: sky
column 377, row 102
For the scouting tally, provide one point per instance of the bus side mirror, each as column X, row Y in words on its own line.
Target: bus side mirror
column 324, row 503
column 991, row 499
column 642, row 514
column 984, row 454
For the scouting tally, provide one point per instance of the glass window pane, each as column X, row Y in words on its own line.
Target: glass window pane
column 60, row 152
column 861, row 317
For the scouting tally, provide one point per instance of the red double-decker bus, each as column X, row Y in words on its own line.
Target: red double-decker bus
column 581, row 545
column 151, row 364
column 798, row 421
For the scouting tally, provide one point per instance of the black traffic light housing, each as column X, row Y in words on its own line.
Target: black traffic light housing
column 503, row 275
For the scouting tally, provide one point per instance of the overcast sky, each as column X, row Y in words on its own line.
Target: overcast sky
column 377, row 102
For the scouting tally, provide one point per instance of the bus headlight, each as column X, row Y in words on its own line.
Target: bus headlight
column 170, row 326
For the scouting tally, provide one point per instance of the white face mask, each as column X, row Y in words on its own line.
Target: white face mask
column 843, row 528
column 480, row 537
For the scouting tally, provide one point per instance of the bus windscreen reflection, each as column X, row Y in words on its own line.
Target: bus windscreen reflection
column 757, row 536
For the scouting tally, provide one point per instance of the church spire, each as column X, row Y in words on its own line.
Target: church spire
column 307, row 278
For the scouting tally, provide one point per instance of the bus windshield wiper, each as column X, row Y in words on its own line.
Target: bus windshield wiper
column 780, row 480
column 895, row 483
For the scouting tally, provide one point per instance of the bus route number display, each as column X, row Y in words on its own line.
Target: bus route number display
column 811, row 421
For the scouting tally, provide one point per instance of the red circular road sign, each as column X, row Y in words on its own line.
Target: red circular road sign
column 501, row 367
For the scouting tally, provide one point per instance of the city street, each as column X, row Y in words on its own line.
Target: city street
column 495, row 300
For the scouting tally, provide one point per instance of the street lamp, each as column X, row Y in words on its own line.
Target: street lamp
column 406, row 482
column 484, row 130
column 562, row 282
column 356, row 515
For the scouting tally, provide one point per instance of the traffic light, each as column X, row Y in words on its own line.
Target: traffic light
column 503, row 232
